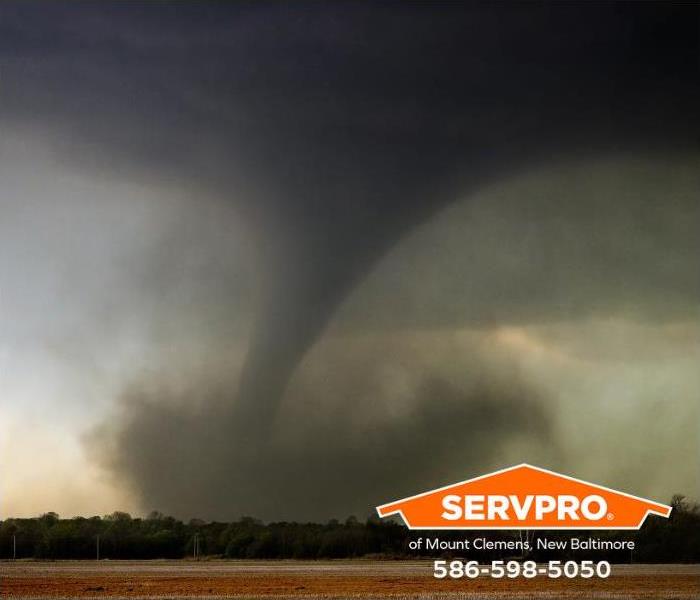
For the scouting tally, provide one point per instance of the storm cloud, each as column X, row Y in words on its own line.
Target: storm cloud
column 356, row 427
column 438, row 365
column 294, row 175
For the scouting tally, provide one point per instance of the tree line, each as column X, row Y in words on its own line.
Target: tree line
column 119, row 536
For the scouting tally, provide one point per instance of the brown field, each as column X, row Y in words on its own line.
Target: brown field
column 322, row 579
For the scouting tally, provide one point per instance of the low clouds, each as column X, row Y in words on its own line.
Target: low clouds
column 375, row 416
column 359, row 426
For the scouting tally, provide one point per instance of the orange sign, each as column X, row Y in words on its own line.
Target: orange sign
column 523, row 497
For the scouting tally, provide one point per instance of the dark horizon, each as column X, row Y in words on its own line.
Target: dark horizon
column 659, row 540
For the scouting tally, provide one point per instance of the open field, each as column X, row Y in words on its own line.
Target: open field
column 322, row 579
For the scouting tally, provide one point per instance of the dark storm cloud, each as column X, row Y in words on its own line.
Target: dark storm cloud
column 352, row 415
column 340, row 445
column 334, row 129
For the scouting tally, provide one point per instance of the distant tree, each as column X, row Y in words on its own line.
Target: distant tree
column 49, row 518
column 676, row 539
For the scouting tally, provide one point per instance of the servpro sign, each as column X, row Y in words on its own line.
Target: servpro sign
column 523, row 497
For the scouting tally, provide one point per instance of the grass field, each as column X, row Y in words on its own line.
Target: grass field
column 322, row 579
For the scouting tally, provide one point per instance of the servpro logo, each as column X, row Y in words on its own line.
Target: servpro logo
column 523, row 497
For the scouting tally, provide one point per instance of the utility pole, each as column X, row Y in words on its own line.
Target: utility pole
column 195, row 546
column 98, row 547
column 14, row 546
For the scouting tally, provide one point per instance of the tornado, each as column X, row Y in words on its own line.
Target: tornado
column 335, row 130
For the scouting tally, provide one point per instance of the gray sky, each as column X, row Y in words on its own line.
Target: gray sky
column 240, row 251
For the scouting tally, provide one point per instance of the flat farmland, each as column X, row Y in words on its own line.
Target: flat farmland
column 322, row 579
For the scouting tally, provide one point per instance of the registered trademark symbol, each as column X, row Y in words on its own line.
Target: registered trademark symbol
column 610, row 516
